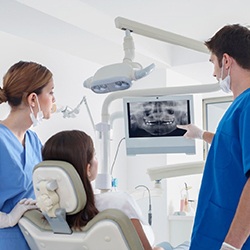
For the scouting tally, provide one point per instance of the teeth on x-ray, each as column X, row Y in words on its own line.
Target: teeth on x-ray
column 160, row 117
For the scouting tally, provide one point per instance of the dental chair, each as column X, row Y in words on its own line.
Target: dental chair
column 59, row 191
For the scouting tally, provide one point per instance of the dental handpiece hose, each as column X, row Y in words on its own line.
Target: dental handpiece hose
column 150, row 215
column 149, row 206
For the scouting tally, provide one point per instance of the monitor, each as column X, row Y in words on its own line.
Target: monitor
column 150, row 124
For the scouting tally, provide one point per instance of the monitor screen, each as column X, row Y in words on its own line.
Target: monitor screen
column 150, row 124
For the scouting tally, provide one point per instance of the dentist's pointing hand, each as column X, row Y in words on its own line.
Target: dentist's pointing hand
column 193, row 132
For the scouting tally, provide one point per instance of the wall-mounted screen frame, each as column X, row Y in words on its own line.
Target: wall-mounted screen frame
column 150, row 124
column 213, row 110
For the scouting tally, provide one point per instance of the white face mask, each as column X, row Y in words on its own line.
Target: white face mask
column 226, row 82
column 39, row 117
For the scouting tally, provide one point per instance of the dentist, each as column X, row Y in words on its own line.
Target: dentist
column 28, row 89
column 223, row 212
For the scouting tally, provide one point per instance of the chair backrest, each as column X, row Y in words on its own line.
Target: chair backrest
column 59, row 191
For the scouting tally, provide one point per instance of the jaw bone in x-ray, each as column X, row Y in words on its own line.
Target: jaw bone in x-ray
column 158, row 118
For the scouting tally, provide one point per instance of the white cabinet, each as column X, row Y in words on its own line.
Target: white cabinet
column 180, row 228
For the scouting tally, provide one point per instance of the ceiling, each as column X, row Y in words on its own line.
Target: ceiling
column 86, row 28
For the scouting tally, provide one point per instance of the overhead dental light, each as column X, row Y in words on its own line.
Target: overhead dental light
column 118, row 76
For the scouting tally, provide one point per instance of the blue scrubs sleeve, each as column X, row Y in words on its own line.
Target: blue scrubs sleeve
column 244, row 133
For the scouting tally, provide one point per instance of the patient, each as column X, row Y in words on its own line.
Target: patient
column 77, row 148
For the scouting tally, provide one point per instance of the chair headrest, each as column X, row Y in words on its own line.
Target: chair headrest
column 61, row 180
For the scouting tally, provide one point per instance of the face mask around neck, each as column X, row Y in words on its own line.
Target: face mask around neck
column 39, row 117
column 226, row 82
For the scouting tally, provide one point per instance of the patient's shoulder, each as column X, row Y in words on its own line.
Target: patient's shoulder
column 118, row 200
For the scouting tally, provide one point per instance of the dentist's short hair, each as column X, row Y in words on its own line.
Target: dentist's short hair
column 235, row 41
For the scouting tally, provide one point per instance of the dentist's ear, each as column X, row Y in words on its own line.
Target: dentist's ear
column 226, row 61
column 31, row 99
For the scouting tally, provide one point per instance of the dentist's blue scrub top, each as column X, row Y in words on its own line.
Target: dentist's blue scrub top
column 225, row 174
column 16, row 165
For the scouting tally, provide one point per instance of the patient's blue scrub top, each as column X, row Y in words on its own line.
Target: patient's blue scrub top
column 225, row 175
column 16, row 166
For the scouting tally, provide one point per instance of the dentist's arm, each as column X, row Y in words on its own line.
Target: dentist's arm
column 239, row 230
column 193, row 132
column 12, row 218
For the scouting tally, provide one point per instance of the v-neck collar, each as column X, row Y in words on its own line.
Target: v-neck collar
column 14, row 136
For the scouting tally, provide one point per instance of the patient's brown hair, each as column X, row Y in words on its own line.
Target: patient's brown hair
column 75, row 147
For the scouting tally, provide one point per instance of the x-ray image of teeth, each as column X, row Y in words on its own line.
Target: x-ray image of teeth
column 158, row 118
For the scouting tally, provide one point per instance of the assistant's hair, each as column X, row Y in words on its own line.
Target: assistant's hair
column 22, row 79
column 235, row 41
column 75, row 147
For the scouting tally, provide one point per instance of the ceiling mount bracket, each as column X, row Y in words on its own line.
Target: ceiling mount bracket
column 159, row 34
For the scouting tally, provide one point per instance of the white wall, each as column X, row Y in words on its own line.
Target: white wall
column 69, row 73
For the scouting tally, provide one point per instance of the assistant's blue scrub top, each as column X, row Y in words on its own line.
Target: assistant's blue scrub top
column 225, row 175
column 16, row 166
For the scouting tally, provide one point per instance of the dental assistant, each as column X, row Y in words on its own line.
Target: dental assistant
column 28, row 89
column 223, row 212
